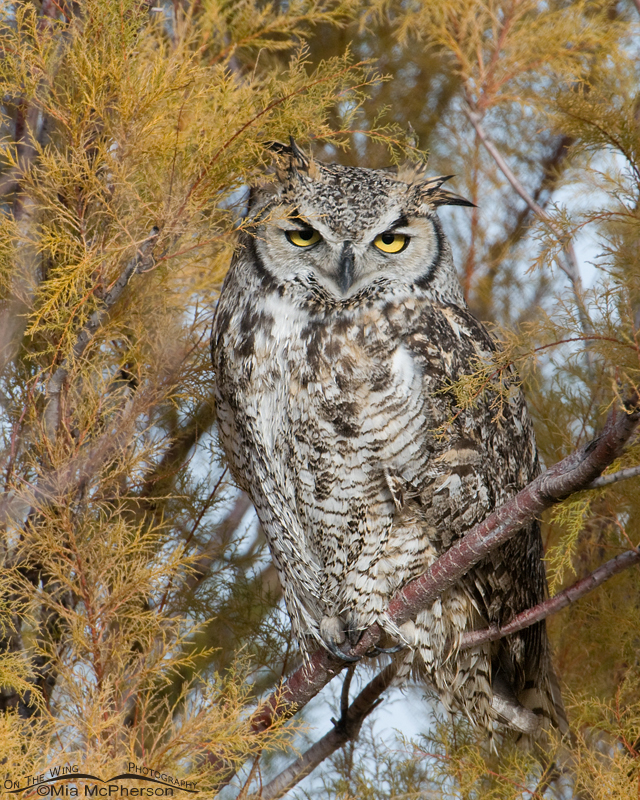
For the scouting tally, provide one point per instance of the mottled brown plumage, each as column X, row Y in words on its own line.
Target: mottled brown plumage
column 339, row 331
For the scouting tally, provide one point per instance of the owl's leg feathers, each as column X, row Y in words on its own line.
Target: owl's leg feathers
column 332, row 630
column 409, row 634
column 334, row 633
column 405, row 635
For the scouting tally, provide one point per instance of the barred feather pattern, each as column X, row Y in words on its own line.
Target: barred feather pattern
column 336, row 414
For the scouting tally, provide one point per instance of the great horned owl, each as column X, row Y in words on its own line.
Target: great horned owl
column 340, row 329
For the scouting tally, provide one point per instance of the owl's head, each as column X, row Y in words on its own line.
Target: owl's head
column 345, row 228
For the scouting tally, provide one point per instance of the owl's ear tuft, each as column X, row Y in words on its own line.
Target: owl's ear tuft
column 293, row 159
column 430, row 192
column 410, row 172
column 299, row 158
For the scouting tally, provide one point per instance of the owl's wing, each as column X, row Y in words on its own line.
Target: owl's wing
column 253, row 427
column 481, row 456
column 287, row 541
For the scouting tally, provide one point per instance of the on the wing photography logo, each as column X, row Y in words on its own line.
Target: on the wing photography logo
column 69, row 781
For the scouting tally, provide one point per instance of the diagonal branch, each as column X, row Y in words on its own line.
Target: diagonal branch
column 569, row 264
column 552, row 167
column 553, row 604
column 621, row 475
column 570, row 475
column 345, row 729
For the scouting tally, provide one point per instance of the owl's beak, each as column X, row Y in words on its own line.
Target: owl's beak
column 346, row 273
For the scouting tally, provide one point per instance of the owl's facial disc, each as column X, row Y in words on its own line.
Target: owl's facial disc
column 345, row 260
column 345, row 256
column 390, row 242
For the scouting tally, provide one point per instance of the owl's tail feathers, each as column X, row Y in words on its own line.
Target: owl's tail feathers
column 561, row 722
column 510, row 712
column 462, row 680
column 534, row 713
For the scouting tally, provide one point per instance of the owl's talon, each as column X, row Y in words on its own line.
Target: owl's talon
column 337, row 652
column 375, row 651
column 333, row 635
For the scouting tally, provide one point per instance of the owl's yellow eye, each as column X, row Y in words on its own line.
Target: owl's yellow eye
column 303, row 238
column 391, row 242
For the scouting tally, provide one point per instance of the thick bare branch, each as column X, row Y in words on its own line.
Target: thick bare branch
column 553, row 604
column 344, row 729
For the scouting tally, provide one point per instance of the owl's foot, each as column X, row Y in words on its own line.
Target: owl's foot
column 337, row 652
column 332, row 631
column 375, row 651
column 409, row 634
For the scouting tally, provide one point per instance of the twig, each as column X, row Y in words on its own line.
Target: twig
column 217, row 542
column 345, row 729
column 553, row 604
column 54, row 387
column 569, row 265
column 183, row 441
column 344, row 695
column 621, row 475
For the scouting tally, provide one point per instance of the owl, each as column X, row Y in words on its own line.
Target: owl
column 340, row 331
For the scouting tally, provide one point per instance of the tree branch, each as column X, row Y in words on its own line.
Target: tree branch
column 553, row 604
column 346, row 728
column 219, row 540
column 569, row 265
column 622, row 475
column 574, row 473
column 552, row 168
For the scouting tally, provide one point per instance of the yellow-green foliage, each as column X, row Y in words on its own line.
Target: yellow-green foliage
column 569, row 519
